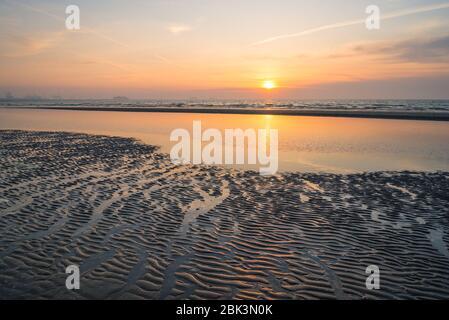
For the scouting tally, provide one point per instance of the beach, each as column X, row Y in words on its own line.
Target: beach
column 141, row 227
column 224, row 158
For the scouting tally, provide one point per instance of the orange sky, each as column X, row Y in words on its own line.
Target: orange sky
column 215, row 49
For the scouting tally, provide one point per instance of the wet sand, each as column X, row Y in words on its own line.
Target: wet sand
column 140, row 227
column 306, row 144
column 368, row 114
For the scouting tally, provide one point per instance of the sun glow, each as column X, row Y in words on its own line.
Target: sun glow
column 268, row 84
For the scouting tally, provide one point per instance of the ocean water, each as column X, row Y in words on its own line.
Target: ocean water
column 356, row 105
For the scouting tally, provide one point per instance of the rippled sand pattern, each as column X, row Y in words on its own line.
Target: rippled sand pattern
column 140, row 227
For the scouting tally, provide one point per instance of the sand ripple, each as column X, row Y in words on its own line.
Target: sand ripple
column 140, row 227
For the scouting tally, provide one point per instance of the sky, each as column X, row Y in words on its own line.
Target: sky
column 225, row 49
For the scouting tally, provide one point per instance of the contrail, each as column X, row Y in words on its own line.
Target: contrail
column 392, row 15
column 59, row 18
column 84, row 29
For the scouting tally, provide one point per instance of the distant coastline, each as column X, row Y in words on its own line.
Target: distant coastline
column 369, row 114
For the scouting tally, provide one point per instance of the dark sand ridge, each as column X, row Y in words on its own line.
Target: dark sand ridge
column 399, row 115
column 141, row 227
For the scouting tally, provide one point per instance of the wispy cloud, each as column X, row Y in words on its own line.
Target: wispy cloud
column 83, row 29
column 388, row 16
column 434, row 50
column 20, row 45
column 62, row 19
column 178, row 28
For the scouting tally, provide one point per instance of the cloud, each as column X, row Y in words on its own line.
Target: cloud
column 84, row 29
column 388, row 16
column 20, row 45
column 434, row 50
column 434, row 86
column 178, row 28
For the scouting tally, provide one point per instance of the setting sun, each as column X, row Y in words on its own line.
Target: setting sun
column 268, row 84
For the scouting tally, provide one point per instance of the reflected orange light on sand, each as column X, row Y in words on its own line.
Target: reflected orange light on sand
column 305, row 143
